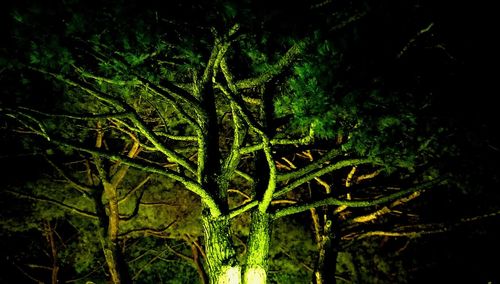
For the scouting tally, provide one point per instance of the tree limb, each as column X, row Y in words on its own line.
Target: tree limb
column 186, row 181
column 353, row 203
column 319, row 172
column 284, row 62
column 78, row 186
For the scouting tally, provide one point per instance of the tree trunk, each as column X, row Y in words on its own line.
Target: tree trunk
column 326, row 263
column 223, row 267
column 258, row 249
column 114, row 261
column 108, row 237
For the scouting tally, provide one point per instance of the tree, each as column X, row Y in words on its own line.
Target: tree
column 214, row 103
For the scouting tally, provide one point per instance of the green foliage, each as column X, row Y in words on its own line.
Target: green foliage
column 152, row 262
column 374, row 265
column 291, row 248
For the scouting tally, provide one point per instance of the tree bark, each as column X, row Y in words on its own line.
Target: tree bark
column 108, row 237
column 117, row 266
column 258, row 249
column 326, row 263
column 114, row 261
column 223, row 267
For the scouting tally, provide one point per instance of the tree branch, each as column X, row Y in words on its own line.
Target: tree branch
column 186, row 181
column 77, row 116
column 281, row 141
column 122, row 106
column 310, row 167
column 56, row 202
column 384, row 210
column 317, row 173
column 353, row 203
column 178, row 107
column 148, row 231
column 137, row 187
column 285, row 61
column 422, row 229
column 78, row 186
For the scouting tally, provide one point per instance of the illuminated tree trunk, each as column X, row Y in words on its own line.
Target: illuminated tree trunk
column 108, row 237
column 114, row 259
column 258, row 249
column 223, row 267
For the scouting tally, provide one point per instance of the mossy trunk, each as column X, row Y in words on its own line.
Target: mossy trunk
column 222, row 265
column 258, row 249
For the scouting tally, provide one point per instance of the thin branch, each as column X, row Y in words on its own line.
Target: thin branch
column 136, row 209
column 56, row 202
column 103, row 79
column 78, row 186
column 177, row 137
column 16, row 116
column 148, row 231
column 177, row 106
column 368, row 176
column 122, row 106
column 348, row 21
column 148, row 264
column 190, row 184
column 185, row 257
column 137, row 187
column 26, row 274
column 153, row 138
column 245, row 176
column 242, row 109
column 77, row 116
column 413, row 39
column 246, row 196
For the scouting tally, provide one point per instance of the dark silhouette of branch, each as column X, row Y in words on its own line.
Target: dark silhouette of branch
column 56, row 202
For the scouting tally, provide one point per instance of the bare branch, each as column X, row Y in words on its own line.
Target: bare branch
column 317, row 173
column 267, row 197
column 177, row 106
column 310, row 167
column 148, row 231
column 122, row 106
column 56, row 202
column 414, row 231
column 413, row 39
column 78, row 186
column 384, row 210
column 353, row 203
column 137, row 187
column 77, row 116
column 281, row 141
column 186, row 181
